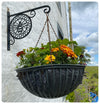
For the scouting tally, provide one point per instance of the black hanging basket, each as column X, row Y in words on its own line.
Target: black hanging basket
column 51, row 81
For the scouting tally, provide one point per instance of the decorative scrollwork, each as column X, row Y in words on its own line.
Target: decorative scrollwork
column 32, row 14
column 47, row 9
column 12, row 40
column 20, row 26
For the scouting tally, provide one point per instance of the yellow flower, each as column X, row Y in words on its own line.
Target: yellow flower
column 75, row 56
column 30, row 49
column 54, row 49
column 49, row 58
column 47, row 62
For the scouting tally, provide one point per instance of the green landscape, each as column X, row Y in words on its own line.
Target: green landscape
column 89, row 84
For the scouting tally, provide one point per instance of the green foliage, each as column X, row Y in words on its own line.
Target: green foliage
column 36, row 56
column 83, row 93
column 71, row 97
column 79, row 50
column 89, row 84
column 73, row 42
column 83, row 57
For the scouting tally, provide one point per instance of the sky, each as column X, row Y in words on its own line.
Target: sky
column 85, row 27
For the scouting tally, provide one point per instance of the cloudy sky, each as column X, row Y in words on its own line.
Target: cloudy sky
column 85, row 27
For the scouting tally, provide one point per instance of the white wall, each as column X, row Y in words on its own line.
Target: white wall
column 12, row 90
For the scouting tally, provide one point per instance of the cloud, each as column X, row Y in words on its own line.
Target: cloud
column 88, row 40
column 92, row 52
column 81, row 6
column 93, row 37
column 84, row 17
column 93, row 61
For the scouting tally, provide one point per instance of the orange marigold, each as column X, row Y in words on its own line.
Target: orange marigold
column 68, row 51
column 54, row 49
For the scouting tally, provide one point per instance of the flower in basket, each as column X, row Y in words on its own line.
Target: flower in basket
column 54, row 49
column 59, row 54
column 49, row 58
column 68, row 51
column 21, row 53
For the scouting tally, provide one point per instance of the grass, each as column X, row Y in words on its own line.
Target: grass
column 92, row 70
column 92, row 78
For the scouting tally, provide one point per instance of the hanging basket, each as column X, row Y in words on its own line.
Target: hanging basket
column 51, row 81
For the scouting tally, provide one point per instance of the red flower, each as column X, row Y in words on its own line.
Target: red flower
column 42, row 48
column 20, row 53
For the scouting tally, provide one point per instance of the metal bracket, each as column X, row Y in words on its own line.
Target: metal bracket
column 19, row 25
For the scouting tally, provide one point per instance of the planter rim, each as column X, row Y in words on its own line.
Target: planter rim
column 51, row 66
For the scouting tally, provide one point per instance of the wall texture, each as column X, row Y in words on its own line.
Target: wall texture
column 12, row 90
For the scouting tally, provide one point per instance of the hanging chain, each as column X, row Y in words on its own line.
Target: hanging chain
column 49, row 37
column 53, row 29
column 41, row 33
column 48, row 22
column 54, row 32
